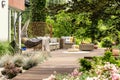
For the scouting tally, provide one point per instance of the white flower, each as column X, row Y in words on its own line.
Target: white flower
column 92, row 78
column 114, row 69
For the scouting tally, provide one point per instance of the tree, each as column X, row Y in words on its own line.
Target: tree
column 98, row 10
column 38, row 10
column 69, row 24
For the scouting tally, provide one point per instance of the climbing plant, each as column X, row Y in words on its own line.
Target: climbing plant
column 38, row 17
column 38, row 10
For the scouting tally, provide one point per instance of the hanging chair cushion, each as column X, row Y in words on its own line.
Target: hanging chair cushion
column 32, row 42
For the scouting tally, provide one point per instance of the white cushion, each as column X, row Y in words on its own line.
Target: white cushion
column 53, row 40
column 68, row 39
column 53, row 43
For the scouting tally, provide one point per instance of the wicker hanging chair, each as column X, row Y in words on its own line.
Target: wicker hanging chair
column 29, row 43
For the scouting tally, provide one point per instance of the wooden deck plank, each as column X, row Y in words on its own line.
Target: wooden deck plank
column 59, row 62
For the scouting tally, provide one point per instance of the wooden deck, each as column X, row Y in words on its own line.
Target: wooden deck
column 59, row 62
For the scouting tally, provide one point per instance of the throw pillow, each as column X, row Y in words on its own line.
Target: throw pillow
column 69, row 40
column 53, row 40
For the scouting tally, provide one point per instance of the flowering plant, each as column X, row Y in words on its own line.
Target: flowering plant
column 97, row 68
column 105, row 72
column 102, row 72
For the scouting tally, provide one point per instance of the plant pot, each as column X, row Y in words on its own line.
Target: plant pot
column 23, row 48
column 95, row 46
column 115, row 52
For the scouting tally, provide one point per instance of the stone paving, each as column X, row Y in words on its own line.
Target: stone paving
column 58, row 62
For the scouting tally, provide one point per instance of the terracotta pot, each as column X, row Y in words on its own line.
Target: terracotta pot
column 115, row 52
column 95, row 46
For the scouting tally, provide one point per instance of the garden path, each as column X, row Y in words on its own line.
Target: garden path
column 58, row 62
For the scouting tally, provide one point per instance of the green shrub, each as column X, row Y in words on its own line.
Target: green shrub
column 5, row 48
column 108, row 57
column 18, row 60
column 97, row 60
column 106, row 43
column 29, row 63
column 34, row 59
column 85, row 65
column 5, row 59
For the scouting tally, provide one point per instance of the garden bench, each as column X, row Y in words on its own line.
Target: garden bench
column 54, row 43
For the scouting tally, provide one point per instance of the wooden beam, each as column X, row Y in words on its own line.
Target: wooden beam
column 15, row 18
column 19, row 36
column 9, row 25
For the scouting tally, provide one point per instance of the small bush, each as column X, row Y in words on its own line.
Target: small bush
column 106, row 43
column 29, row 63
column 5, row 48
column 34, row 59
column 108, row 57
column 97, row 61
column 85, row 65
column 10, row 70
column 18, row 60
column 5, row 59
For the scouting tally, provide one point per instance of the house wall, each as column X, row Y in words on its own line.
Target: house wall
column 4, row 21
column 18, row 4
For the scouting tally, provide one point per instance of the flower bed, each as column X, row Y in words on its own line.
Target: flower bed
column 106, row 67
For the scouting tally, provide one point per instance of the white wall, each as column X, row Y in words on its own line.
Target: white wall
column 4, row 21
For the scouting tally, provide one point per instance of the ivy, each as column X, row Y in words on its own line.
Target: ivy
column 38, row 10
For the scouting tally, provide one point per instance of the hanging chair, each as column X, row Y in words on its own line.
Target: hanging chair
column 29, row 43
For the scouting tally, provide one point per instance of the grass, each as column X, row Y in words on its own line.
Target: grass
column 5, row 59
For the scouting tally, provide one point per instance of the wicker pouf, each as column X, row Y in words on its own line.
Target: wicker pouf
column 86, row 47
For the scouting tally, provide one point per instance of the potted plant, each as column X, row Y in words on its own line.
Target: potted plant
column 95, row 44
